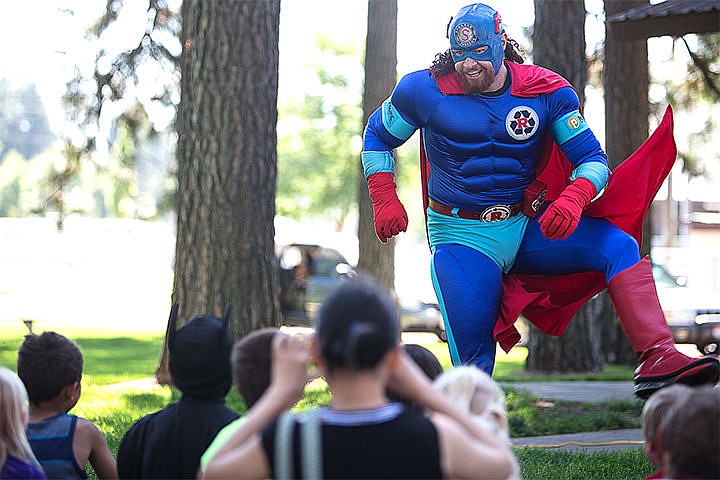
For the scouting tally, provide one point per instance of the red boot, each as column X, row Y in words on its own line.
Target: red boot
column 633, row 293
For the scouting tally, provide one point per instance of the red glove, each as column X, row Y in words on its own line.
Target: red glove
column 562, row 216
column 388, row 213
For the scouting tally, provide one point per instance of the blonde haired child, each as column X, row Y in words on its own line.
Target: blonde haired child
column 16, row 457
column 476, row 393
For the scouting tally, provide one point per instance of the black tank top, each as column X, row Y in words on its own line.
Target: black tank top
column 388, row 442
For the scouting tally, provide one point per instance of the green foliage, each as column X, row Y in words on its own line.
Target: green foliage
column 319, row 140
column 137, row 356
column 22, row 181
column 696, row 91
column 106, row 359
column 316, row 395
column 102, row 147
column 510, row 367
column 529, row 417
column 114, row 410
column 536, row 464
column 64, row 181
column 118, row 389
column 702, row 84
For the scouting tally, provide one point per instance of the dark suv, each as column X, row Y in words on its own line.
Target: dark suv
column 307, row 274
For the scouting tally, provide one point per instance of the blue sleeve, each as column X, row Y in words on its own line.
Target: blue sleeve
column 579, row 144
column 390, row 126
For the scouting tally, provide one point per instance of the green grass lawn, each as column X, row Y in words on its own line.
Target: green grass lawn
column 114, row 395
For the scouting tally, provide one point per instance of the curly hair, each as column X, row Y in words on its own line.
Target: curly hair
column 443, row 62
column 47, row 363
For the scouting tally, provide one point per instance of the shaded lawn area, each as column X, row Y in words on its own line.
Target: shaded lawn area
column 510, row 367
column 115, row 395
column 107, row 357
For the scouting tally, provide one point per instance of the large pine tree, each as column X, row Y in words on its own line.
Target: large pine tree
column 559, row 44
column 375, row 258
column 227, row 159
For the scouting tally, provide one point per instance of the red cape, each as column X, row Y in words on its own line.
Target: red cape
column 549, row 302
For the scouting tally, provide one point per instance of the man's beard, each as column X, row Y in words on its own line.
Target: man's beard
column 478, row 84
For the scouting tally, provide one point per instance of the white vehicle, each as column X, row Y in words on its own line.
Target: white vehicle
column 692, row 314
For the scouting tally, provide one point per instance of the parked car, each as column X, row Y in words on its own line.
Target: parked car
column 692, row 314
column 422, row 316
column 308, row 272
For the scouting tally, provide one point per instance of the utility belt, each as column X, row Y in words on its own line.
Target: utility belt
column 533, row 200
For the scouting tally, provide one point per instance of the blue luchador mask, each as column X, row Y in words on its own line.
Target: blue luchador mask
column 476, row 26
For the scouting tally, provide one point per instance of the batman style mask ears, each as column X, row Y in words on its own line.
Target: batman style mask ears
column 228, row 312
column 199, row 355
column 172, row 323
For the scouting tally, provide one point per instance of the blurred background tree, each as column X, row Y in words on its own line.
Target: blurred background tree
column 319, row 139
column 24, row 125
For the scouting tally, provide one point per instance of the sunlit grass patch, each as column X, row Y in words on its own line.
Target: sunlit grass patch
column 542, row 464
column 529, row 417
column 316, row 395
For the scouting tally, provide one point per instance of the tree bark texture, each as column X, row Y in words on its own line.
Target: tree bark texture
column 227, row 162
column 625, row 72
column 559, row 44
column 577, row 350
column 559, row 40
column 377, row 259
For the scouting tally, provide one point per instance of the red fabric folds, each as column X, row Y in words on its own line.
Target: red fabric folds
column 549, row 302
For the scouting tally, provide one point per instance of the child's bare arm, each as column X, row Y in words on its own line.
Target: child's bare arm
column 94, row 448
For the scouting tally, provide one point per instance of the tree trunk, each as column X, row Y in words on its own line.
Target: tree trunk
column 227, row 162
column 377, row 259
column 559, row 40
column 559, row 44
column 577, row 350
column 626, row 127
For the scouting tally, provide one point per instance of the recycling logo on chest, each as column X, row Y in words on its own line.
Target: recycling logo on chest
column 521, row 123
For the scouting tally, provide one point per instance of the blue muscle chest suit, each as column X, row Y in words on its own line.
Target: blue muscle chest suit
column 484, row 150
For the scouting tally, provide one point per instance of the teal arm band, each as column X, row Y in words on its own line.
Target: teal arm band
column 394, row 123
column 374, row 162
column 568, row 126
column 597, row 172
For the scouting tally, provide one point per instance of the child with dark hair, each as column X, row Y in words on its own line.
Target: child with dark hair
column 251, row 364
column 428, row 363
column 50, row 365
column 168, row 443
column 361, row 434
column 425, row 359
column 691, row 443
column 17, row 460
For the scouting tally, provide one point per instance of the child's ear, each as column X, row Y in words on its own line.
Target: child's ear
column 654, row 454
column 72, row 391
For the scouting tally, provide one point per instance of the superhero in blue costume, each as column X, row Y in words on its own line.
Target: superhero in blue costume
column 486, row 125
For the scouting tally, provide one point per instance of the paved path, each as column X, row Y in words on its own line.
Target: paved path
column 607, row 441
column 577, row 391
column 611, row 440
